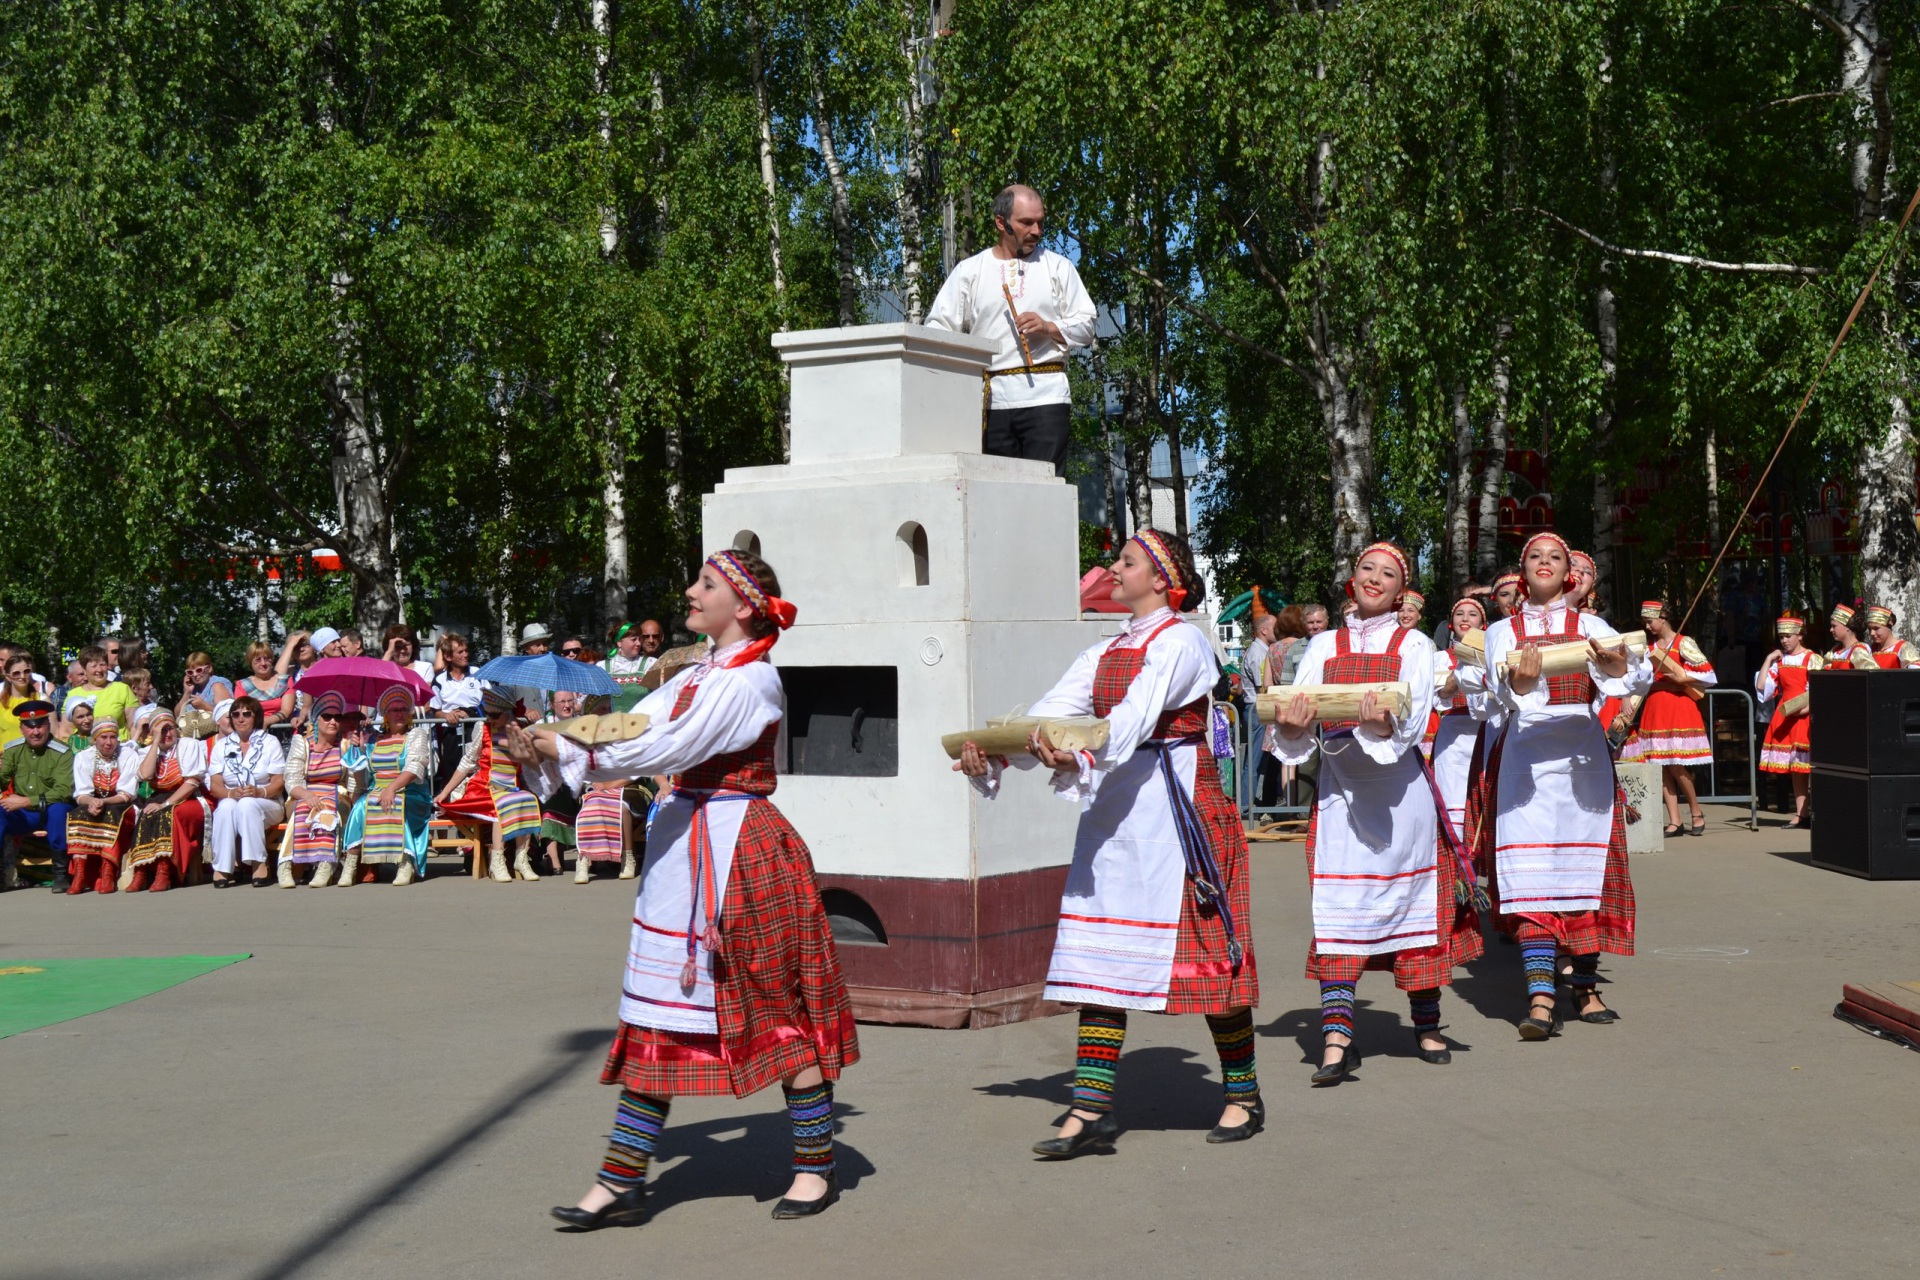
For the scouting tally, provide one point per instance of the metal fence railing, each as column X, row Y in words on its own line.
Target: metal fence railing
column 1257, row 773
column 1734, row 757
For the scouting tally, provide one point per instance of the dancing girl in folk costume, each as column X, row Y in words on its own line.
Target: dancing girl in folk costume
column 389, row 820
column 172, row 819
column 1848, row 653
column 323, row 786
column 1786, row 746
column 1381, row 866
column 1890, row 652
column 1670, row 732
column 106, row 776
column 1560, row 843
column 1461, row 703
column 1156, row 912
column 731, row 979
column 486, row 785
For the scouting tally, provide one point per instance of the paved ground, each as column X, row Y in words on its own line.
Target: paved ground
column 401, row 1081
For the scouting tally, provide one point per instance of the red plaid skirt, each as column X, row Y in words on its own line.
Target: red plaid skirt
column 1582, row 933
column 1204, row 980
column 1419, row 968
column 783, row 1003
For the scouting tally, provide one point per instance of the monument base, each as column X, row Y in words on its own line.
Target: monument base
column 946, row 953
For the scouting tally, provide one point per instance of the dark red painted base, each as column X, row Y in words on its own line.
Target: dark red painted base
column 959, row 953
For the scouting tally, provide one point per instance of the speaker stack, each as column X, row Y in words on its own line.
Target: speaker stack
column 1866, row 772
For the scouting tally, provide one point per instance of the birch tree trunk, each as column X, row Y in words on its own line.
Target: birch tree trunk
column 1884, row 497
column 1460, row 492
column 1606, row 331
column 842, row 208
column 911, row 187
column 672, row 454
column 763, row 110
column 1493, row 480
column 362, row 479
column 614, row 565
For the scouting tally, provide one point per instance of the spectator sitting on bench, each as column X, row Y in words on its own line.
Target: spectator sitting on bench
column 36, row 774
column 247, row 776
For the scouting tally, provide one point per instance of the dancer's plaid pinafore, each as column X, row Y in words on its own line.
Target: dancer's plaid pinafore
column 781, row 1000
column 1419, row 968
column 1203, row 980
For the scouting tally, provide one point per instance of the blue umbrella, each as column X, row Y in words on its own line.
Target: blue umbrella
column 548, row 671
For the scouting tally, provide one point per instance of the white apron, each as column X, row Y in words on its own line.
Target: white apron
column 1375, row 854
column 651, row 994
column 1554, row 802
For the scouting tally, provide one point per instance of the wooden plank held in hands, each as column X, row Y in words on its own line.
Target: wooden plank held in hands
column 598, row 731
column 1570, row 658
column 1336, row 701
column 1470, row 650
column 1665, row 664
column 1009, row 736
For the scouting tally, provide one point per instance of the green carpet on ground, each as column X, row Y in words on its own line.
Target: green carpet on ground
column 39, row 993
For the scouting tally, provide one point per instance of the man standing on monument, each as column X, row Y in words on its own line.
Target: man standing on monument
column 1030, row 303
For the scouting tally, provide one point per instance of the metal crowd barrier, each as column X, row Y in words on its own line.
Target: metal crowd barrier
column 1745, row 716
column 1293, row 797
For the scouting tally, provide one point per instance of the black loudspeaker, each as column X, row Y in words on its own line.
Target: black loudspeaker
column 1865, row 721
column 1866, row 825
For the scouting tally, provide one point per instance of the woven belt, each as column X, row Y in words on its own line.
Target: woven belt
column 988, row 375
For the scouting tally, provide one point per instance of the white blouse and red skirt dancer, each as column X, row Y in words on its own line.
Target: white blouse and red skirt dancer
column 1670, row 731
column 1786, row 747
column 1559, row 841
column 1382, row 868
column 732, row 982
column 1156, row 914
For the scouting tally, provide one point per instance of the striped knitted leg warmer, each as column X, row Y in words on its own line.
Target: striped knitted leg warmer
column 1425, row 1006
column 811, row 1111
column 1233, row 1038
column 1536, row 961
column 1586, row 973
column 1336, row 1008
column 1102, row 1032
column 637, row 1123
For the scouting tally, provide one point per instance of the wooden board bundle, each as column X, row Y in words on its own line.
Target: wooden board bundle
column 1470, row 650
column 1794, row 706
column 598, row 731
column 1570, row 658
column 1336, row 701
column 1006, row 735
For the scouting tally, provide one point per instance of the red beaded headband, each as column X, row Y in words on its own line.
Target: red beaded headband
column 748, row 588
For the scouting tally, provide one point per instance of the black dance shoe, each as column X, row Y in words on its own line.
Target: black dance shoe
column 1599, row 1017
column 1256, row 1121
column 627, row 1209
column 1093, row 1133
column 1437, row 1057
column 1335, row 1072
column 807, row 1208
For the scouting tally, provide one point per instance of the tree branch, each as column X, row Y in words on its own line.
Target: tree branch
column 300, row 517
column 1686, row 259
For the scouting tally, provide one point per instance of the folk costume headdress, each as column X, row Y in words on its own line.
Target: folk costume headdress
column 1842, row 616
column 396, row 709
column 1789, row 625
column 1651, row 609
column 1478, row 607
column 1414, row 598
column 1877, row 615
column 497, row 702
column 1166, row 565
column 1398, row 556
column 1556, row 540
column 763, row 603
column 1581, row 560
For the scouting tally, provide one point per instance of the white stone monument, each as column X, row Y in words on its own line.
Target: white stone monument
column 936, row 587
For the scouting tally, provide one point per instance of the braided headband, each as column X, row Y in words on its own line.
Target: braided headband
column 1478, row 608
column 1164, row 564
column 1653, row 609
column 748, row 588
column 1583, row 559
column 1398, row 556
column 1556, row 540
column 1413, row 597
column 1506, row 579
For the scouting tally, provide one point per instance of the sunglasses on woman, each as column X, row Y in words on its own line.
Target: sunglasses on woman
column 571, row 653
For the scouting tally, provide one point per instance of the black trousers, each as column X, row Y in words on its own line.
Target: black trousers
column 1040, row 432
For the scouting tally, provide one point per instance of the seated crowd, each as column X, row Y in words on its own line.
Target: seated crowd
column 253, row 779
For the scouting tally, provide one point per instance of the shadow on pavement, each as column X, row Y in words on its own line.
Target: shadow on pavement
column 1161, row 1088
column 738, row 1155
column 569, row 1052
